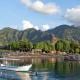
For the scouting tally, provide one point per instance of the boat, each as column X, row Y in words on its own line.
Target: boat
column 17, row 69
column 13, row 68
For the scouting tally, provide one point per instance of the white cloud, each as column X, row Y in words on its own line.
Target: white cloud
column 36, row 27
column 73, row 15
column 26, row 2
column 45, row 27
column 27, row 24
column 39, row 6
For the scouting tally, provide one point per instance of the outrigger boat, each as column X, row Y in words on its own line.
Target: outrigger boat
column 13, row 68
column 18, row 69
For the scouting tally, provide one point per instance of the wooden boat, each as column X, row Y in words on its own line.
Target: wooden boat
column 18, row 69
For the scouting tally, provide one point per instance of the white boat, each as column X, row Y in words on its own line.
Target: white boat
column 18, row 69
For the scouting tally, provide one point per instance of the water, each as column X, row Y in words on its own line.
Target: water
column 44, row 69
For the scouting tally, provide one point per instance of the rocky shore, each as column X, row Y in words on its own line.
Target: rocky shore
column 72, row 57
column 21, row 55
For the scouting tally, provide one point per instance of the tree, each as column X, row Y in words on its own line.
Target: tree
column 22, row 45
column 74, row 47
column 14, row 45
column 59, row 45
column 77, row 50
column 66, row 45
column 45, row 46
column 25, row 45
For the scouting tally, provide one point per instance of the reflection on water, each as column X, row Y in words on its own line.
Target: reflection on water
column 24, row 76
column 44, row 69
column 8, row 75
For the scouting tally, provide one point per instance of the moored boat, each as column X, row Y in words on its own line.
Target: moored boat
column 19, row 69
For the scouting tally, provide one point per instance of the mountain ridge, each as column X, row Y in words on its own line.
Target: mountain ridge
column 63, row 32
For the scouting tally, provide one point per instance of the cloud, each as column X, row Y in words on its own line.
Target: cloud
column 39, row 6
column 73, row 15
column 36, row 27
column 45, row 27
column 27, row 24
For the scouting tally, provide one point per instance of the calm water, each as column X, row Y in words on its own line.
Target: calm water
column 44, row 69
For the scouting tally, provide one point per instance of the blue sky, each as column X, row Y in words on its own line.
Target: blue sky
column 23, row 14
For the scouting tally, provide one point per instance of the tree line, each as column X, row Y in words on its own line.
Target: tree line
column 46, row 46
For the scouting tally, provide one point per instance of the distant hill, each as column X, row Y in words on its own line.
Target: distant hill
column 66, row 32
column 62, row 31
column 9, row 35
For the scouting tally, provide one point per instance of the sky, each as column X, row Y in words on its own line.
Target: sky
column 39, row 14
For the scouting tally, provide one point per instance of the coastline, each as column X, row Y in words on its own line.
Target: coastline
column 24, row 55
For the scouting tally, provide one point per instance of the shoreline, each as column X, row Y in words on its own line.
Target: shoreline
column 63, row 57
column 24, row 55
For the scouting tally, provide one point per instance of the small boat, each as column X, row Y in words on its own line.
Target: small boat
column 17, row 69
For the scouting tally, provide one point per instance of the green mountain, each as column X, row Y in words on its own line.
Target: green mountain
column 66, row 32
column 9, row 35
column 62, row 31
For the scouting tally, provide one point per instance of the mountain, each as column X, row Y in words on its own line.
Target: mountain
column 66, row 32
column 9, row 35
column 62, row 32
column 35, row 35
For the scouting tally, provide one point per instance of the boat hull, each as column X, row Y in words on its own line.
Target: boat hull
column 18, row 69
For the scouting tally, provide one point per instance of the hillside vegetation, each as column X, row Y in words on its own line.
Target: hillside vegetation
column 62, row 32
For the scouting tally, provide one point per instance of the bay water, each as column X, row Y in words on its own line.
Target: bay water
column 43, row 69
